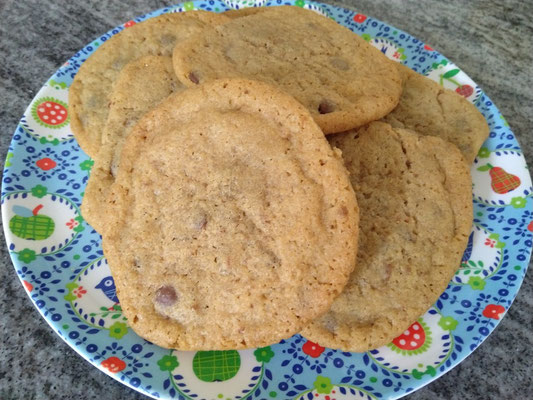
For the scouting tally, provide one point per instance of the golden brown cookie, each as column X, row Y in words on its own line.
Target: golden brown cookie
column 139, row 87
column 342, row 80
column 243, row 12
column 88, row 94
column 232, row 222
column 415, row 197
column 429, row 109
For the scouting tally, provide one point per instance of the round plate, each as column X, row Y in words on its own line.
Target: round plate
column 59, row 259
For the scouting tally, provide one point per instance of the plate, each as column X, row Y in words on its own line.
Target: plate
column 59, row 260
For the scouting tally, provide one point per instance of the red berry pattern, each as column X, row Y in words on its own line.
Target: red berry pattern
column 413, row 338
column 50, row 112
column 465, row 90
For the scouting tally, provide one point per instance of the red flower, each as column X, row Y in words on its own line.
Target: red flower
column 493, row 311
column 114, row 364
column 28, row 286
column 46, row 163
column 129, row 23
column 79, row 292
column 312, row 349
column 530, row 226
column 359, row 18
column 428, row 47
column 72, row 223
column 490, row 242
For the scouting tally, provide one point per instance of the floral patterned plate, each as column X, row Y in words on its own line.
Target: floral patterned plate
column 59, row 259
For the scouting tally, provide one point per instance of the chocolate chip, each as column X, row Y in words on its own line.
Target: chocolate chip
column 325, row 107
column 129, row 122
column 193, row 78
column 166, row 295
column 114, row 168
column 339, row 63
column 200, row 222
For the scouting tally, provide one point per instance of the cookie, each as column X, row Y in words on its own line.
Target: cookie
column 429, row 109
column 139, row 87
column 415, row 199
column 342, row 80
column 243, row 12
column 88, row 94
column 232, row 222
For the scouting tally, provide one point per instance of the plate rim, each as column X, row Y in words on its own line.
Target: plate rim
column 173, row 8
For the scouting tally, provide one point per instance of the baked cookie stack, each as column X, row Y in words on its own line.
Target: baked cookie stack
column 230, row 220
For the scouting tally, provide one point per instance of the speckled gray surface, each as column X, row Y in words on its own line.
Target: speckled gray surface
column 491, row 40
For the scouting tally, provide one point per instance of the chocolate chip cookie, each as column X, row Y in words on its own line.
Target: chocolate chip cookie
column 342, row 80
column 232, row 222
column 415, row 197
column 88, row 94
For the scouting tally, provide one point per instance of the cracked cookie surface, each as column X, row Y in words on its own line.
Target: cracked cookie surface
column 232, row 222
column 415, row 197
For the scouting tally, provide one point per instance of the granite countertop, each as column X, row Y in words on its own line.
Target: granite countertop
column 491, row 40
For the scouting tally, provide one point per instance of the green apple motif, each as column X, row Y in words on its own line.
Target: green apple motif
column 27, row 224
column 216, row 366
